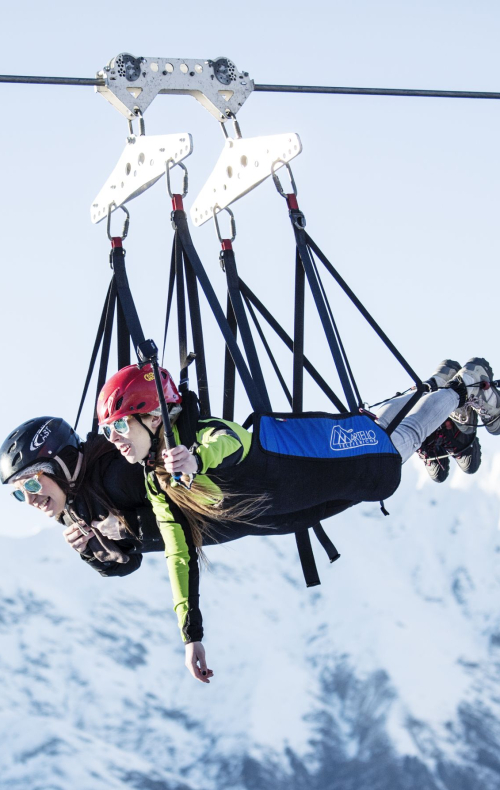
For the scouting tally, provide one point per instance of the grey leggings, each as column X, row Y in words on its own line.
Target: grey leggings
column 428, row 414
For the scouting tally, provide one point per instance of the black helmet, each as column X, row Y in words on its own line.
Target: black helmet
column 34, row 440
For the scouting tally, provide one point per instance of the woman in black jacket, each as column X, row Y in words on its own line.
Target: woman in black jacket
column 88, row 486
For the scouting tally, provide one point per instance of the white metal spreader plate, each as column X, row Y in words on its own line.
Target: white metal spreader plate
column 244, row 163
column 140, row 166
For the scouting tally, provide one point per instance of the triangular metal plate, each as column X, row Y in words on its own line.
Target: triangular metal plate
column 244, row 163
column 140, row 166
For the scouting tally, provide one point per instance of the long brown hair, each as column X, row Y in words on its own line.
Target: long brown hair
column 201, row 508
column 90, row 488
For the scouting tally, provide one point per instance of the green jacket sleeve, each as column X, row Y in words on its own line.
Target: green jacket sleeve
column 182, row 564
column 221, row 444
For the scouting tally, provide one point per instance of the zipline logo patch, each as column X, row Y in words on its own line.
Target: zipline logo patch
column 40, row 436
column 349, row 439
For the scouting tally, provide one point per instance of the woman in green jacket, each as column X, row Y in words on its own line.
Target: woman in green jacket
column 222, row 482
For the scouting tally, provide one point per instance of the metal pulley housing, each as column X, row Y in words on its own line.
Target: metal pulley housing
column 131, row 83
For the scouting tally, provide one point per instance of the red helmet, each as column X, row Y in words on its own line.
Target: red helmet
column 133, row 391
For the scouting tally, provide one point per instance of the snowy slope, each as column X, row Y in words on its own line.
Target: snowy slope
column 386, row 677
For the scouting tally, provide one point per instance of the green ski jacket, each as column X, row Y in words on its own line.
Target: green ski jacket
column 221, row 444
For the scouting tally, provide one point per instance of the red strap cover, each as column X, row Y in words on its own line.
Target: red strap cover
column 177, row 204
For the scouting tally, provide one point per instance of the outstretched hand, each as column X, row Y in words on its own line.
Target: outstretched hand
column 179, row 460
column 195, row 655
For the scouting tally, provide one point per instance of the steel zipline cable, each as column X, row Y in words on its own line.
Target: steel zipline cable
column 96, row 82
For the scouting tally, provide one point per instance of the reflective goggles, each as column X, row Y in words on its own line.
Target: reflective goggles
column 31, row 485
column 121, row 426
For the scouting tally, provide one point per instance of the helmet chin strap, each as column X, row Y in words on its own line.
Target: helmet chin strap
column 149, row 460
column 71, row 478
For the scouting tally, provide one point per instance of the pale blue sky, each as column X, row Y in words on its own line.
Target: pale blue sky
column 402, row 194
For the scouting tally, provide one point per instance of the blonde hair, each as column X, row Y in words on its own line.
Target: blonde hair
column 202, row 504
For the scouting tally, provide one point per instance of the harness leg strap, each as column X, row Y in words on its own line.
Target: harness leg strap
column 307, row 558
column 326, row 543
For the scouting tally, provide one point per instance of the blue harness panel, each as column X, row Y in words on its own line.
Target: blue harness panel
column 324, row 437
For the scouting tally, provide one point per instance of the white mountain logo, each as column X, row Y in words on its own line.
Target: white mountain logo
column 40, row 436
column 349, row 439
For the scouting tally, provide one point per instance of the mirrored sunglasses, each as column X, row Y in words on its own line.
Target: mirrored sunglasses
column 31, row 485
column 121, row 426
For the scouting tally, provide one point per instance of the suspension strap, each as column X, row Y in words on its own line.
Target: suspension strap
column 117, row 262
column 123, row 338
column 298, row 336
column 287, row 340
column 270, row 354
column 335, row 348
column 197, row 333
column 95, row 350
column 171, row 284
column 420, row 389
column 228, row 262
column 128, row 327
column 229, row 368
column 191, row 256
column 106, row 346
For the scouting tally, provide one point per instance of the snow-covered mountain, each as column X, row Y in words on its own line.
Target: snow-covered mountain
column 384, row 678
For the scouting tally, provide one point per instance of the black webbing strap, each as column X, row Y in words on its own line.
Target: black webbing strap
column 287, row 340
column 305, row 255
column 95, row 350
column 227, row 256
column 302, row 537
column 106, row 347
column 181, row 311
column 337, row 334
column 123, row 338
column 197, row 332
column 181, row 273
column 267, row 347
column 229, row 368
column 306, row 557
column 298, row 336
column 191, row 256
column 171, row 283
column 371, row 321
column 117, row 260
column 326, row 543
column 128, row 326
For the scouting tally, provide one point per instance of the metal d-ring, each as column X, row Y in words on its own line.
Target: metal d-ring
column 277, row 182
column 125, row 224
column 184, row 179
column 232, row 223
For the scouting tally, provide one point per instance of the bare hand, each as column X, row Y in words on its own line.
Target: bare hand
column 179, row 460
column 195, row 654
column 75, row 538
column 111, row 527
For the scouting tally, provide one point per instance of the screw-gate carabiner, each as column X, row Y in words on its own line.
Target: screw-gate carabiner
column 277, row 182
column 217, row 210
column 125, row 224
column 184, row 179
